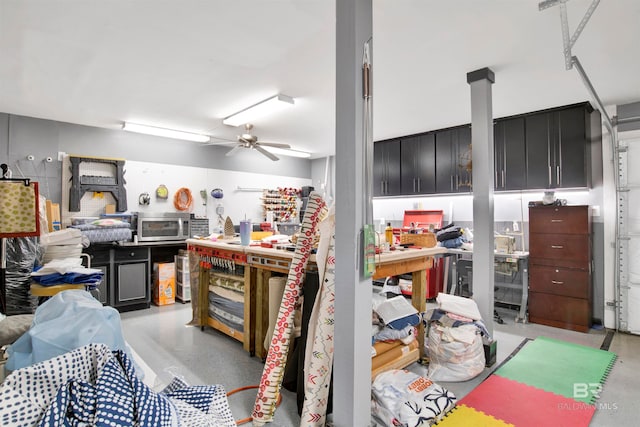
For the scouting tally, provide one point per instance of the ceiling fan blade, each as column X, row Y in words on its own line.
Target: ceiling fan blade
column 274, row 144
column 266, row 153
column 233, row 150
column 219, row 141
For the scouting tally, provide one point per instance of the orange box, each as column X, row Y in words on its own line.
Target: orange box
column 164, row 289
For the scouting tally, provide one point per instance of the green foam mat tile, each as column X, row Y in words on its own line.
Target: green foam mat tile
column 567, row 369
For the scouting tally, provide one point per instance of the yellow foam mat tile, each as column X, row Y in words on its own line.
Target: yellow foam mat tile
column 464, row 416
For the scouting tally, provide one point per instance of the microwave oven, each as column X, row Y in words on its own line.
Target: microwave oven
column 161, row 226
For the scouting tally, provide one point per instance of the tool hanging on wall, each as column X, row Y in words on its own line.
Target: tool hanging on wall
column 162, row 192
column 203, row 194
column 144, row 199
column 183, row 200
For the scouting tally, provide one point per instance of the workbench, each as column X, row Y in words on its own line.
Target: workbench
column 263, row 262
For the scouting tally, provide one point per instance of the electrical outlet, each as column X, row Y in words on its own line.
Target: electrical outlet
column 61, row 155
column 595, row 210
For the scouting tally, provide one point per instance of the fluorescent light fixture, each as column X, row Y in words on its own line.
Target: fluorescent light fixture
column 288, row 152
column 261, row 109
column 168, row 133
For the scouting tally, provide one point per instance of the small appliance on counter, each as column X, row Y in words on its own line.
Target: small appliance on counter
column 163, row 226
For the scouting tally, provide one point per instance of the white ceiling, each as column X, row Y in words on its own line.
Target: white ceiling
column 188, row 64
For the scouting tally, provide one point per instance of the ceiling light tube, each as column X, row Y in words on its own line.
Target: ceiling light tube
column 167, row 133
column 261, row 109
column 287, row 152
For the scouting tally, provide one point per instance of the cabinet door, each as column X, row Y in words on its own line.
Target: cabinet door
column 386, row 168
column 445, row 162
column 538, row 134
column 571, row 164
column 379, row 174
column 509, row 154
column 132, row 283
column 102, row 291
column 427, row 164
column 463, row 166
column 393, row 168
column 418, row 164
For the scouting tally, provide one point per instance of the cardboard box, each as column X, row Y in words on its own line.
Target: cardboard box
column 164, row 289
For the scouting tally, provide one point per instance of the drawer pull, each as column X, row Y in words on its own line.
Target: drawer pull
column 555, row 282
column 557, row 246
column 557, row 220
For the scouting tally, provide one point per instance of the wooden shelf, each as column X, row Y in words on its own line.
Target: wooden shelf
column 225, row 329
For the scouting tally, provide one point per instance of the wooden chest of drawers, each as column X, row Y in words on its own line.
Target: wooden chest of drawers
column 560, row 266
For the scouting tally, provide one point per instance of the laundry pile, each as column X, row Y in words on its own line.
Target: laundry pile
column 94, row 385
column 105, row 230
column 394, row 332
column 403, row 398
column 453, row 236
column 67, row 270
column 455, row 339
column 65, row 243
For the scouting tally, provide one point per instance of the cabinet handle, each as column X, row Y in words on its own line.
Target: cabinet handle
column 557, row 220
column 132, row 254
column 381, row 187
column 549, row 176
column 557, row 246
column 451, row 182
column 414, row 185
column 555, row 282
column 558, row 176
column 504, row 185
column 419, row 184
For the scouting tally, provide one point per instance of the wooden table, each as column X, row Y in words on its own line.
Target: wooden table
column 263, row 263
column 268, row 261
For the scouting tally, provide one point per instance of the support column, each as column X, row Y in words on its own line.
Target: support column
column 482, row 158
column 352, row 362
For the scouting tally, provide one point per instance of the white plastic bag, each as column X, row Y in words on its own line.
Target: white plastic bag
column 403, row 398
column 455, row 354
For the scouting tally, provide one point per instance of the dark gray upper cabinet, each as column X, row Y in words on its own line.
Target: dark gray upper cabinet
column 509, row 154
column 417, row 171
column 546, row 149
column 453, row 160
column 573, row 149
column 386, row 168
column 557, row 148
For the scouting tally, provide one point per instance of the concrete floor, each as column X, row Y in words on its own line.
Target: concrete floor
column 160, row 336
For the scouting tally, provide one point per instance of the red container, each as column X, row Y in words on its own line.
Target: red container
column 424, row 219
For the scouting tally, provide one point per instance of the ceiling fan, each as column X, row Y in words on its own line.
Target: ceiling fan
column 248, row 140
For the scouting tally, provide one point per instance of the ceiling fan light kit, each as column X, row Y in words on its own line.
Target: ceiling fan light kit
column 263, row 108
column 167, row 133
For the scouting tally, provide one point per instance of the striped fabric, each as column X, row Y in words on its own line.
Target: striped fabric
column 271, row 380
column 319, row 353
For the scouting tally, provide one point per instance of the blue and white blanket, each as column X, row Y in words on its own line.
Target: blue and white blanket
column 94, row 386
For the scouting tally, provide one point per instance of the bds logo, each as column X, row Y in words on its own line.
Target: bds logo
column 586, row 390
